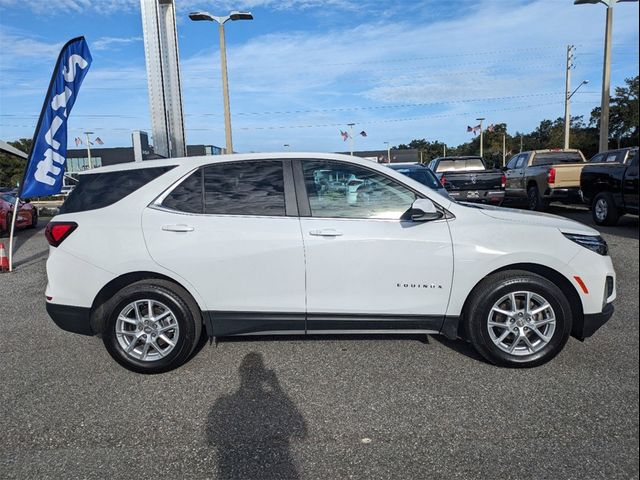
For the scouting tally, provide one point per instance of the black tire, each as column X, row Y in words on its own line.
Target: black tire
column 495, row 287
column 7, row 224
column 34, row 218
column 534, row 201
column 604, row 210
column 184, row 308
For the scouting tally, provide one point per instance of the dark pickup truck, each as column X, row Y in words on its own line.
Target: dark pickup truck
column 467, row 179
column 611, row 189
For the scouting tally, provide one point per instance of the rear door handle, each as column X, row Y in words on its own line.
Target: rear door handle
column 327, row 232
column 177, row 228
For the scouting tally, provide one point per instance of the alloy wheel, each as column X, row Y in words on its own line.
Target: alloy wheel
column 601, row 209
column 521, row 323
column 147, row 330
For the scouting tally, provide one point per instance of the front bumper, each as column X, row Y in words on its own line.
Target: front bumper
column 494, row 197
column 71, row 319
column 592, row 322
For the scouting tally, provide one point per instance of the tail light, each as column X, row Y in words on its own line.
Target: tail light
column 443, row 180
column 57, row 232
column 503, row 181
column 551, row 176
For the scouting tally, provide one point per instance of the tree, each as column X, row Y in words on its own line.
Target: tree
column 624, row 118
column 12, row 167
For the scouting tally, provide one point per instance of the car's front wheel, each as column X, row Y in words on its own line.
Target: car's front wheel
column 518, row 319
column 152, row 326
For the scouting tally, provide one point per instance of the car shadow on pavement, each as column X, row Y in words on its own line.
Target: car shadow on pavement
column 460, row 346
column 252, row 428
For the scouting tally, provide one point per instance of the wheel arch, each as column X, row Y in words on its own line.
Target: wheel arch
column 573, row 297
column 97, row 318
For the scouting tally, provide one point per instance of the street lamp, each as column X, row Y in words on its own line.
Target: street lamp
column 233, row 16
column 481, row 134
column 606, row 73
column 567, row 114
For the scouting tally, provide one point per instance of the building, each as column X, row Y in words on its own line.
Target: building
column 78, row 161
column 397, row 156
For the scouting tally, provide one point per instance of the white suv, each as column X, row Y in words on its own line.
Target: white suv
column 148, row 255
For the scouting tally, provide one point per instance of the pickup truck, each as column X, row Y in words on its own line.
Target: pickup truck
column 468, row 179
column 611, row 189
column 539, row 177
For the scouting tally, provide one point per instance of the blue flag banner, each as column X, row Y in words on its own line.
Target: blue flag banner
column 45, row 166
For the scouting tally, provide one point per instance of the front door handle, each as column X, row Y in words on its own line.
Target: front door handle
column 327, row 232
column 177, row 228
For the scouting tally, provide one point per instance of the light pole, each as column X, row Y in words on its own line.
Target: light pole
column 567, row 114
column 481, row 134
column 606, row 72
column 205, row 16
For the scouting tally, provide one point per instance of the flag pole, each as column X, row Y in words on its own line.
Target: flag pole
column 89, row 149
column 13, row 227
column 351, row 136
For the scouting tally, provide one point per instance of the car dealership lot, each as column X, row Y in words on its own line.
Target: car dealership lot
column 322, row 407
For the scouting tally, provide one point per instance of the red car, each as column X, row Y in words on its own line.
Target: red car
column 27, row 213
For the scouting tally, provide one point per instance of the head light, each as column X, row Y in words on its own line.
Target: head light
column 594, row 243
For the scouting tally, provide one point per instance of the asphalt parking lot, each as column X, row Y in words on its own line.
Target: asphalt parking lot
column 316, row 408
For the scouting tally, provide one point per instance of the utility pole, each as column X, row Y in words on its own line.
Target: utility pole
column 89, row 149
column 520, row 143
column 444, row 150
column 481, row 135
column 567, row 96
column 351, row 137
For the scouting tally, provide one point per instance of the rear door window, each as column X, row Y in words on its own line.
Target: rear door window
column 245, row 188
column 238, row 188
column 188, row 196
column 99, row 190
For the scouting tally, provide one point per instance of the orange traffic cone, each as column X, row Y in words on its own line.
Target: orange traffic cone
column 4, row 260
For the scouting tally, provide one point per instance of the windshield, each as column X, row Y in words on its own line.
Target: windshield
column 420, row 174
column 460, row 165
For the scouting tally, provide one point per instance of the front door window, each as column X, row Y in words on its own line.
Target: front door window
column 340, row 190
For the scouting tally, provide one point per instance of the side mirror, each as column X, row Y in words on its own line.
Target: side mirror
column 424, row 210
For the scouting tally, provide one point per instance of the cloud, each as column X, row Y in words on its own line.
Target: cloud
column 106, row 43
column 426, row 74
column 127, row 6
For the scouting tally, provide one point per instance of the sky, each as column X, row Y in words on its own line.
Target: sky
column 304, row 69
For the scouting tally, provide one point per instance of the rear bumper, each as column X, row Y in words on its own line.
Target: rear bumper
column 567, row 194
column 592, row 322
column 71, row 319
column 495, row 197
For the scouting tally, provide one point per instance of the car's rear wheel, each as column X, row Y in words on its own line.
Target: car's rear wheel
column 604, row 210
column 536, row 202
column 518, row 319
column 34, row 218
column 152, row 326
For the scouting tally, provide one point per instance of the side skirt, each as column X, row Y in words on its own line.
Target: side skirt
column 224, row 323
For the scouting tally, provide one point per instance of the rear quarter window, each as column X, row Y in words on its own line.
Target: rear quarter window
column 99, row 190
